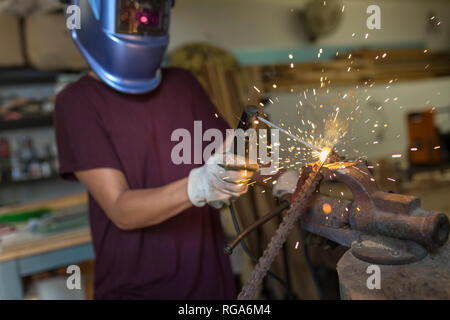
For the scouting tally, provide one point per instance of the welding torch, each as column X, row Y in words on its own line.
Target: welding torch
column 249, row 119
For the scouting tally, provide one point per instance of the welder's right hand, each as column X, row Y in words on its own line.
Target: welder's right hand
column 286, row 183
column 212, row 184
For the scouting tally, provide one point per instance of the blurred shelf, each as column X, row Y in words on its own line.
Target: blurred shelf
column 59, row 203
column 29, row 181
column 47, row 243
column 26, row 123
column 27, row 76
column 14, row 76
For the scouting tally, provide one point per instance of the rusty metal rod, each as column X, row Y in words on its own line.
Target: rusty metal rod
column 297, row 208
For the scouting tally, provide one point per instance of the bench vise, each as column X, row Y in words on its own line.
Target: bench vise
column 379, row 227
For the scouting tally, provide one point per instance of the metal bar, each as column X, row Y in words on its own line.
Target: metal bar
column 297, row 208
column 283, row 206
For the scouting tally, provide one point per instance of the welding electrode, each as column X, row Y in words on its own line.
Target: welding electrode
column 251, row 112
column 289, row 134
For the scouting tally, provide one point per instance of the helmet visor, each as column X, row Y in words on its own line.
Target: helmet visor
column 142, row 17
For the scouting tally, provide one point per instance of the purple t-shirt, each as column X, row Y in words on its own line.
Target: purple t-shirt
column 98, row 127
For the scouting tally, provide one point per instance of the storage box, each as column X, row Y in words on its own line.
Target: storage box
column 49, row 44
column 11, row 47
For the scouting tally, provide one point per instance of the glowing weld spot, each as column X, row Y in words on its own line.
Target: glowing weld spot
column 326, row 208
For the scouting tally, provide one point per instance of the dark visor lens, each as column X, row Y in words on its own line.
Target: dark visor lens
column 143, row 17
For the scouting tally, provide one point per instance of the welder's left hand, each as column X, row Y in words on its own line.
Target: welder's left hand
column 214, row 185
column 286, row 183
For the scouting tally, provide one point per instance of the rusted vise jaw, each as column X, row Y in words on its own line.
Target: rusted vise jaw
column 380, row 227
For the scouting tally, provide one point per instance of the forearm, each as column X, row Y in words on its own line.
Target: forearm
column 141, row 208
column 131, row 209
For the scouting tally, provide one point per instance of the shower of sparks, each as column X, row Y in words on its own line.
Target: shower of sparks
column 349, row 121
column 333, row 119
column 290, row 134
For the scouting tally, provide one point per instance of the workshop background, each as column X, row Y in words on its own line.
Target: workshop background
column 243, row 52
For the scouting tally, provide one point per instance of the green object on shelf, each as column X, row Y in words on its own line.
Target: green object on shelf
column 23, row 216
column 69, row 222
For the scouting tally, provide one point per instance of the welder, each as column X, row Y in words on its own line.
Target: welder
column 155, row 226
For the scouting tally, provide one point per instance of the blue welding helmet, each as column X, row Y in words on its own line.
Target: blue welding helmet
column 124, row 41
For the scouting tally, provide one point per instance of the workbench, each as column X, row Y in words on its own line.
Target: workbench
column 43, row 254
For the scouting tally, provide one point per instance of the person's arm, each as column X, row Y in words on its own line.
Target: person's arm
column 133, row 209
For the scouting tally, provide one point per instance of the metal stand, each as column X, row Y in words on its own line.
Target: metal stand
column 428, row 278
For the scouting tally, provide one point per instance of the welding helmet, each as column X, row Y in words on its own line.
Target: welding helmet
column 124, row 41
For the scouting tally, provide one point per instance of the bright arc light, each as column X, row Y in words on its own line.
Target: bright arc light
column 324, row 154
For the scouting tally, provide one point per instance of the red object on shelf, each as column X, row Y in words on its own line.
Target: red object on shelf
column 4, row 230
column 5, row 151
column 423, row 139
column 13, row 115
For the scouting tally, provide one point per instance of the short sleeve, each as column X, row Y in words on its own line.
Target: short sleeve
column 204, row 108
column 82, row 141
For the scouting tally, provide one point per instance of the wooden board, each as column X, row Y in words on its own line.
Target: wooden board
column 45, row 244
column 55, row 204
column 358, row 68
column 48, row 242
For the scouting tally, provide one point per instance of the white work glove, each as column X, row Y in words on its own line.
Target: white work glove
column 211, row 184
column 286, row 183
